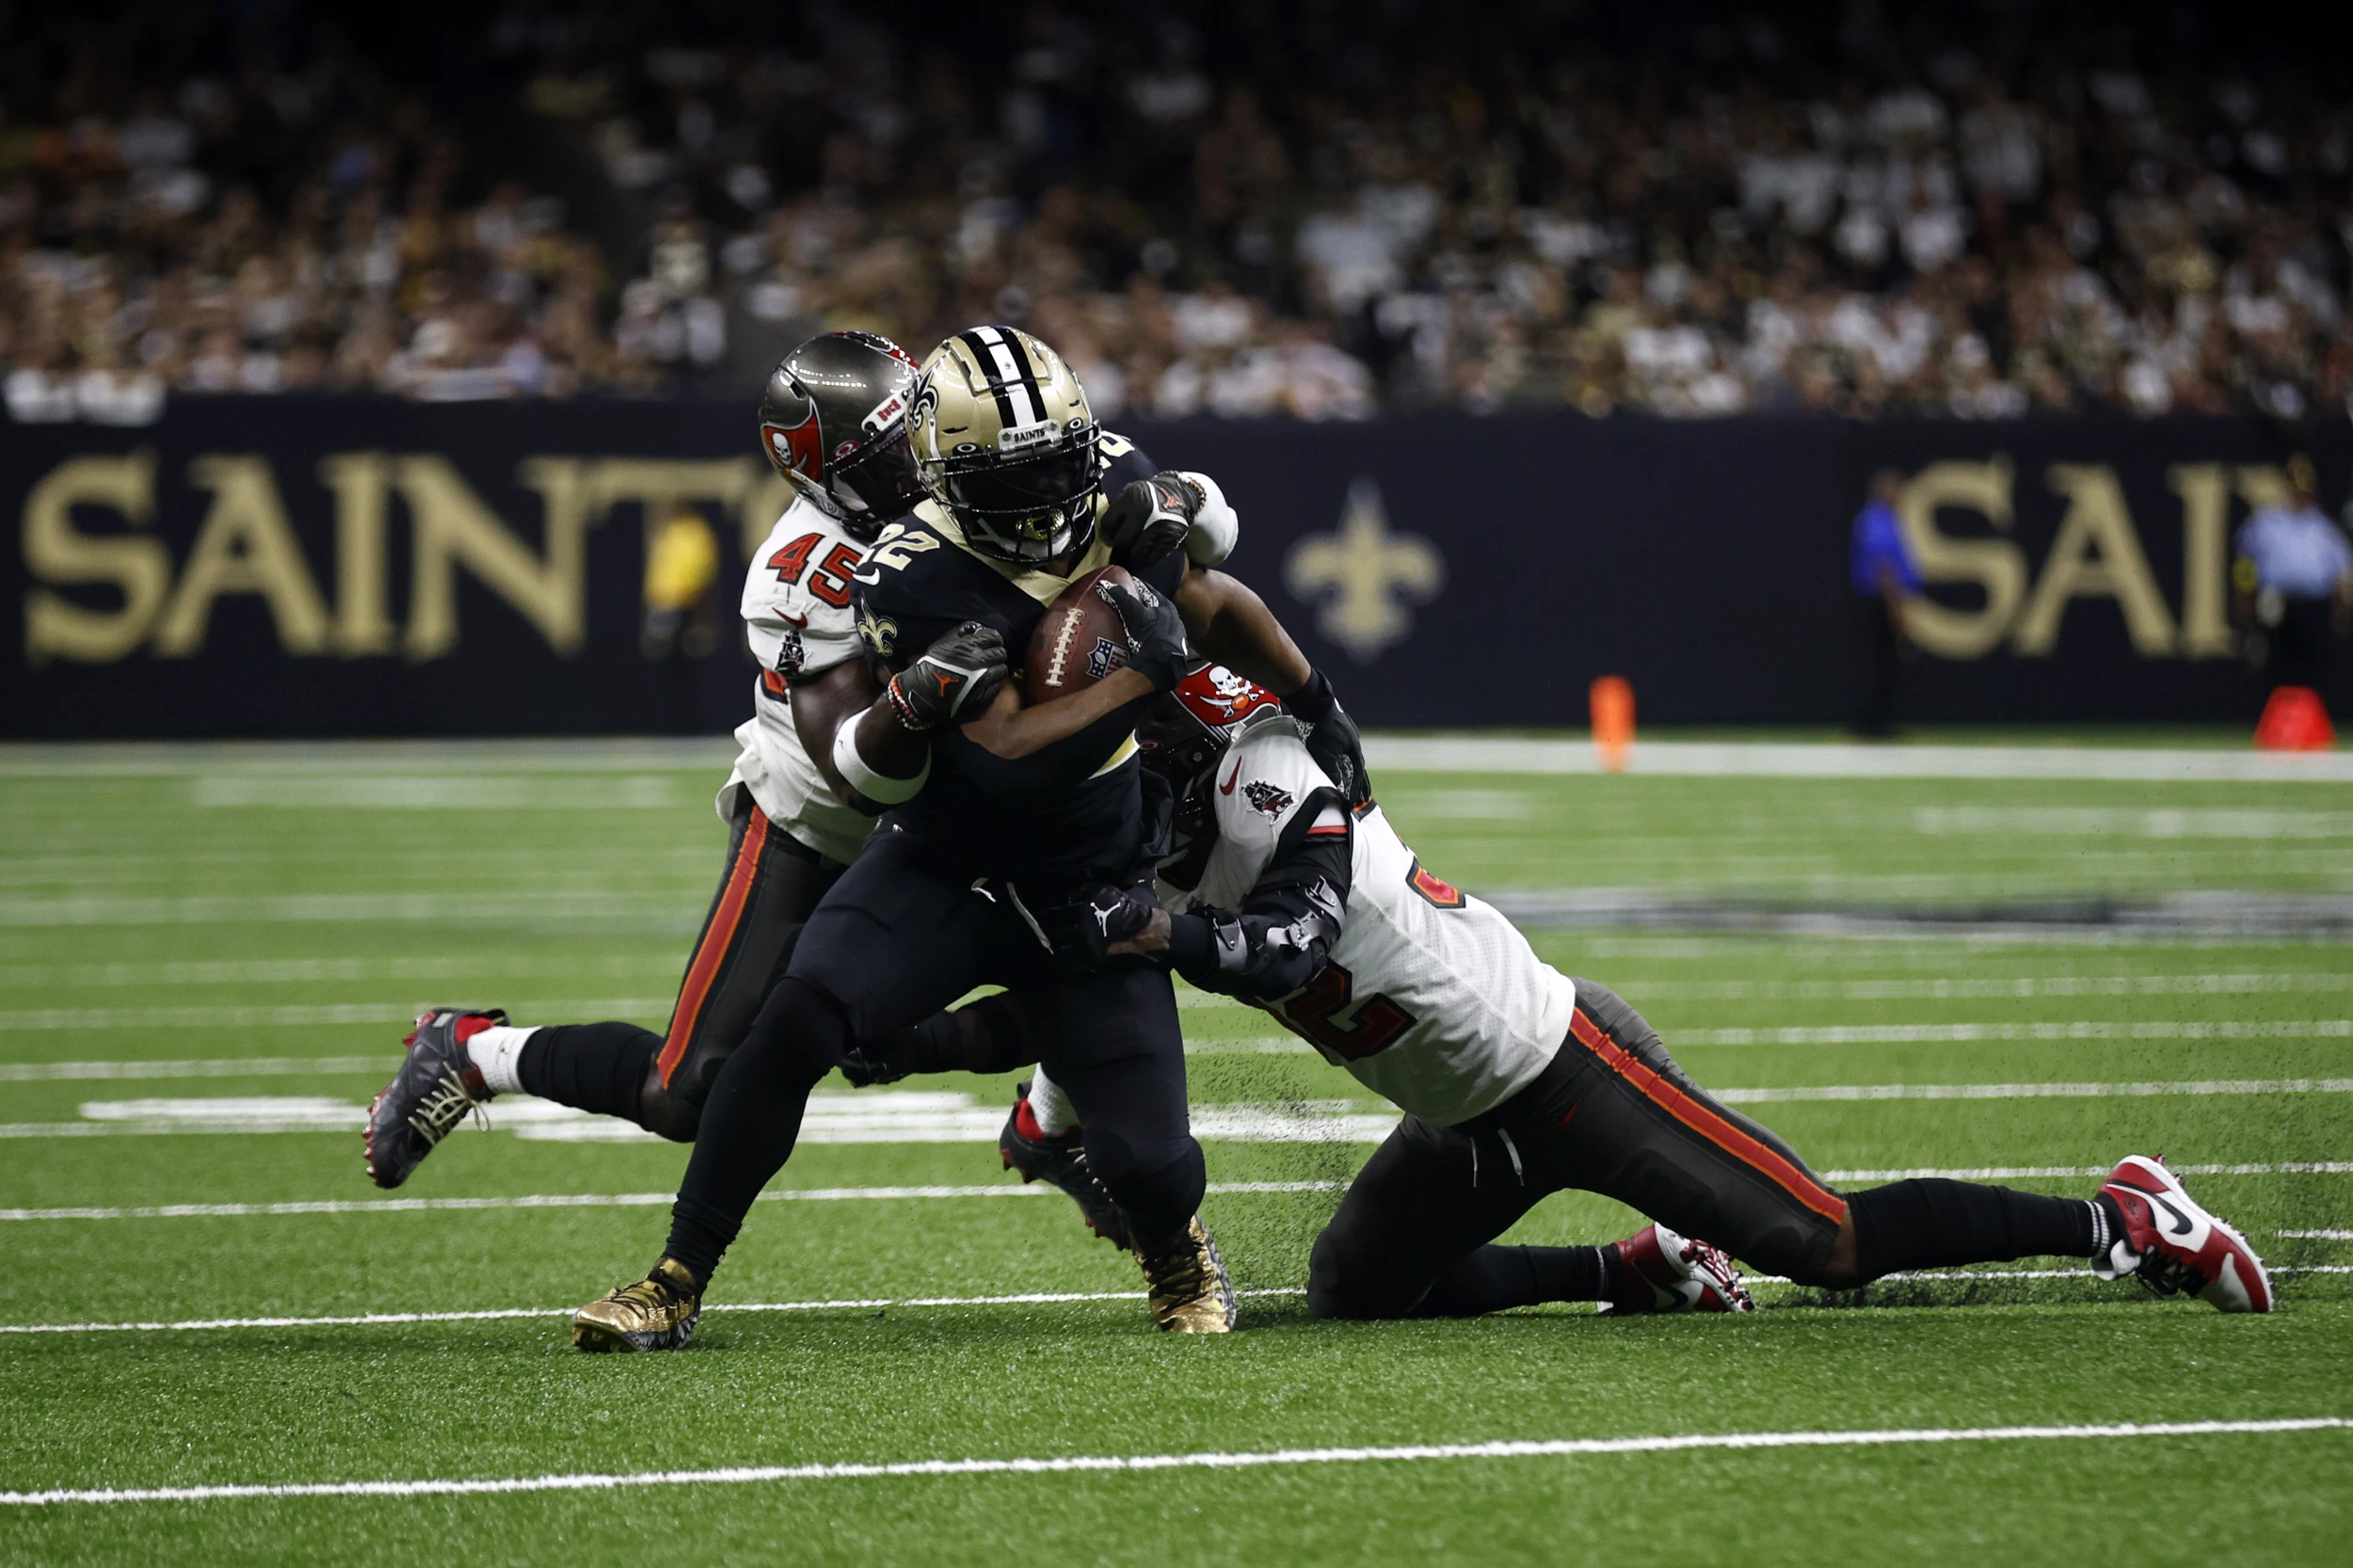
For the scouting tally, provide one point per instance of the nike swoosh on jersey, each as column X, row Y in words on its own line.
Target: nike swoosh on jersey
column 1227, row 787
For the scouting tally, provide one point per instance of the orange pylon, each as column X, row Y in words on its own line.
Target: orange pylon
column 1613, row 702
column 2294, row 720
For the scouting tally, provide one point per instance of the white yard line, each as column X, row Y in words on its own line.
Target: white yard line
column 1979, row 988
column 2318, row 1235
column 364, row 1319
column 2034, row 1090
column 294, row 972
column 2088, row 1029
column 2013, row 1172
column 303, row 1014
column 1068, row 1463
column 1708, row 759
column 232, row 1066
column 593, row 1200
column 1005, row 1190
column 603, row 909
column 918, row 1116
column 368, row 1320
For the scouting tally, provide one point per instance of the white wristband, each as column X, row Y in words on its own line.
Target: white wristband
column 856, row 772
column 1216, row 528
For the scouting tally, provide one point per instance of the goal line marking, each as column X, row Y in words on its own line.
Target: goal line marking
column 1521, row 1448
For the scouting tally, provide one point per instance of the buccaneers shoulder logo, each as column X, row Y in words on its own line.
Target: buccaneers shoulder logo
column 790, row 653
column 1266, row 798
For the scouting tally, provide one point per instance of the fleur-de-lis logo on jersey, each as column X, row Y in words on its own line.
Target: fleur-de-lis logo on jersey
column 1363, row 573
column 880, row 634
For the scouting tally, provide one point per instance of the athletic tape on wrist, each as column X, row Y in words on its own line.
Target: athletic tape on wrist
column 860, row 775
column 1216, row 528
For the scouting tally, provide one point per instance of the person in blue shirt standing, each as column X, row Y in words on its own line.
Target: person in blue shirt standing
column 1885, row 581
column 2294, row 578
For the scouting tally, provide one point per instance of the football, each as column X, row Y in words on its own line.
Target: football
column 1079, row 640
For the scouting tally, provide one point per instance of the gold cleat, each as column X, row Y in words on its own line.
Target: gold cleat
column 1190, row 1292
column 657, row 1313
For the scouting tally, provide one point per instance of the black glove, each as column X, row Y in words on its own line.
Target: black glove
column 1156, row 633
column 1333, row 739
column 958, row 677
column 1148, row 519
column 866, row 1066
column 1081, row 932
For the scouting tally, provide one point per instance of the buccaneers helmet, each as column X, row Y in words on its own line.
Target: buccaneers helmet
column 1006, row 444
column 1183, row 739
column 833, row 422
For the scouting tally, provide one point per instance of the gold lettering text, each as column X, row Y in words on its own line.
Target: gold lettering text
column 2096, row 555
column 137, row 567
column 1995, row 565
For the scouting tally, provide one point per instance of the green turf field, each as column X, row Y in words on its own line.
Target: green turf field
column 248, row 928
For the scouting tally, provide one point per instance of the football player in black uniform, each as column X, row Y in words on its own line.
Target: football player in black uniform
column 832, row 422
column 995, row 838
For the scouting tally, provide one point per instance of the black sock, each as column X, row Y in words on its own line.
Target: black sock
column 595, row 1067
column 1931, row 1222
column 752, row 1118
column 1491, row 1278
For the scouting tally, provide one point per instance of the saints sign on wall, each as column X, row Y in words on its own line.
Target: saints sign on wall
column 1365, row 576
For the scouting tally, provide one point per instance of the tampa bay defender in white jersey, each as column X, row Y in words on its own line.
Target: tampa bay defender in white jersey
column 833, row 425
column 1518, row 1081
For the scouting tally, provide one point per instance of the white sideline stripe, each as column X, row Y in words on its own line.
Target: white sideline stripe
column 590, row 1200
column 2318, row 1235
column 1705, row 759
column 1515, row 1449
column 216, row 1017
column 1949, row 1034
column 1035, row 1298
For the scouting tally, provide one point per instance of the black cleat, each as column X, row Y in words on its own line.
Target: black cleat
column 434, row 1091
column 1062, row 1159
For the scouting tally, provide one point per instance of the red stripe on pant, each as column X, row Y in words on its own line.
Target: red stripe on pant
column 711, row 951
column 1762, row 1158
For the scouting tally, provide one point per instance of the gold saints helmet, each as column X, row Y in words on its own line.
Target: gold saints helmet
column 1004, row 441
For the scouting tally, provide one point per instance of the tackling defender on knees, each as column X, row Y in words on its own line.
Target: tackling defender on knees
column 1518, row 1081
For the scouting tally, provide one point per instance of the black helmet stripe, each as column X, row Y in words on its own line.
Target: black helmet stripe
column 1019, row 398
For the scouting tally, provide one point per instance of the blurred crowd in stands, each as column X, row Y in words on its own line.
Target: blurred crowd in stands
column 1974, row 210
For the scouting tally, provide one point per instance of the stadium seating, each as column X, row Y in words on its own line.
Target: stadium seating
column 1690, row 215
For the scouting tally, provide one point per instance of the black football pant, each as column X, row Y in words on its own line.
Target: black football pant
column 1614, row 1115
column 770, row 884
column 905, row 932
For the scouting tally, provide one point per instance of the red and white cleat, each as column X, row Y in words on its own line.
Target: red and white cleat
column 2172, row 1244
column 1663, row 1273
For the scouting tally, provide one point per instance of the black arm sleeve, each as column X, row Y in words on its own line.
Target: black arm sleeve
column 1285, row 929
